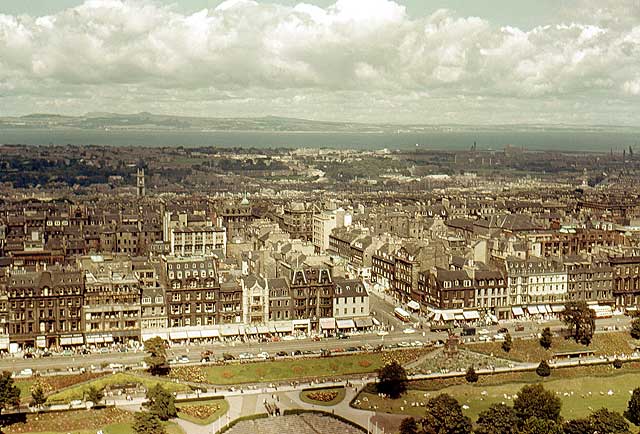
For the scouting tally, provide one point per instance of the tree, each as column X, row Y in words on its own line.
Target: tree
column 37, row 396
column 471, row 376
column 535, row 425
column 9, row 392
column 408, row 426
column 543, row 369
column 546, row 338
column 536, row 401
column 147, row 423
column 157, row 358
column 497, row 419
column 161, row 402
column 392, row 380
column 617, row 363
column 507, row 343
column 94, row 395
column 605, row 421
column 633, row 407
column 581, row 319
column 578, row 426
column 635, row 328
column 444, row 416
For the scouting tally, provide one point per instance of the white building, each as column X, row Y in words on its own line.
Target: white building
column 351, row 299
column 324, row 223
column 255, row 300
column 536, row 285
column 198, row 240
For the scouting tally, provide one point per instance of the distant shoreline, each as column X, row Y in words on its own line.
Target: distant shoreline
column 496, row 140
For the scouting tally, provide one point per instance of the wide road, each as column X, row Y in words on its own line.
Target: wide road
column 383, row 312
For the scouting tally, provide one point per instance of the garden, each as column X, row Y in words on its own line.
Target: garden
column 202, row 412
column 109, row 420
column 325, row 396
column 113, row 381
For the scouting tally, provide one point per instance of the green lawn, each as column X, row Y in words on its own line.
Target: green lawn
column 202, row 412
column 25, row 388
column 308, row 396
column 77, row 392
column 580, row 395
column 529, row 350
column 293, row 369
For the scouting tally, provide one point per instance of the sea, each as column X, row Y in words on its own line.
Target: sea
column 557, row 140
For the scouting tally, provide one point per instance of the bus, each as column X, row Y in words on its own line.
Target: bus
column 402, row 314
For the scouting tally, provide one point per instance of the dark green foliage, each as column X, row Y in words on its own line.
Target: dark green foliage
column 507, row 343
column 471, row 376
column 633, row 407
column 94, row 395
column 545, row 339
column 536, row 401
column 161, row 402
column 605, row 421
column 444, row 416
column 37, row 396
column 408, row 426
column 617, row 363
column 543, row 369
column 497, row 419
column 581, row 319
column 147, row 423
column 9, row 392
column 392, row 380
column 578, row 426
column 635, row 328
column 535, row 425
column 157, row 358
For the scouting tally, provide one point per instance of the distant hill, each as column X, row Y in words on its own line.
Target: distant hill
column 150, row 122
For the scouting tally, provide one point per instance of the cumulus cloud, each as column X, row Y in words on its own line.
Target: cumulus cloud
column 126, row 52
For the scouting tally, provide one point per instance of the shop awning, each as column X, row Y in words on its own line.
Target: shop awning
column 272, row 329
column 194, row 334
column 4, row 342
column 251, row 330
column 229, row 330
column 94, row 339
column 77, row 340
column 147, row 336
column 327, row 323
column 66, row 340
column 108, row 338
column 542, row 309
column 437, row 316
column 448, row 316
column 548, row 307
column 413, row 305
column 557, row 308
column 286, row 327
column 263, row 330
column 41, row 341
column 459, row 316
column 210, row 333
column 517, row 311
column 301, row 323
column 471, row 314
column 362, row 323
column 178, row 335
column 532, row 310
column 345, row 324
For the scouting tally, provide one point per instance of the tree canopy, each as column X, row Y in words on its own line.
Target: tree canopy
column 147, row 423
column 157, row 358
column 161, row 403
column 9, row 392
column 444, row 416
column 581, row 320
column 409, row 426
column 536, row 401
column 543, row 369
column 497, row 419
column 633, row 407
column 392, row 380
column 546, row 338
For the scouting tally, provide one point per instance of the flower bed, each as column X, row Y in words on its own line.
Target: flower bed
column 203, row 412
column 193, row 374
column 326, row 397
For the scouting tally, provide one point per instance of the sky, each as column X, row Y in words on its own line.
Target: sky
column 402, row 61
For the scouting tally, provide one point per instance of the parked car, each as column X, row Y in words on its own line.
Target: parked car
column 503, row 330
column 409, row 331
column 342, row 336
column 281, row 354
column 263, row 355
column 245, row 356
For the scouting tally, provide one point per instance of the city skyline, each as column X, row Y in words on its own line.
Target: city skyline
column 391, row 61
